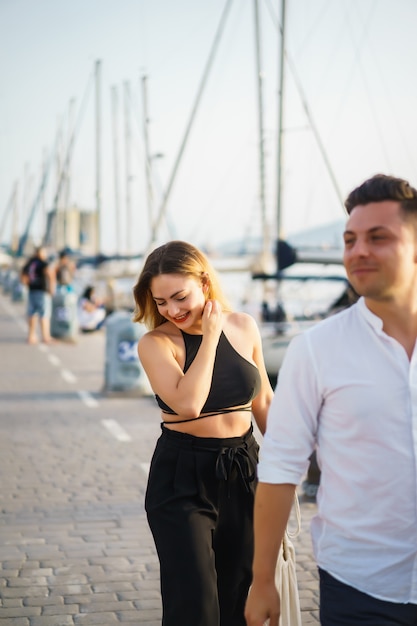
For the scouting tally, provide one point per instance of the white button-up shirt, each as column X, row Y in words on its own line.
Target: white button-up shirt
column 349, row 387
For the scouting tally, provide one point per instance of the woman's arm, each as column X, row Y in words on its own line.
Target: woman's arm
column 187, row 392
column 260, row 404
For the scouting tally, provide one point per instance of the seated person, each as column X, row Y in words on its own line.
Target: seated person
column 91, row 311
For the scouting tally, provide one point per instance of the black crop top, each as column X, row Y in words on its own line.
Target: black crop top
column 235, row 380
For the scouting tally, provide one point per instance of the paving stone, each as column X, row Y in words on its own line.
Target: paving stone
column 38, row 571
column 148, row 617
column 67, row 579
column 91, row 597
column 11, row 602
column 65, row 609
column 21, row 611
column 97, row 606
column 70, row 590
column 94, row 619
column 17, row 592
column 22, row 581
column 112, row 586
column 43, row 601
column 52, row 620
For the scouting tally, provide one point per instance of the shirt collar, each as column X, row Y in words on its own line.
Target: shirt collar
column 372, row 319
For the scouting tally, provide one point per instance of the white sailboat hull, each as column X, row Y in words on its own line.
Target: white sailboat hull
column 275, row 343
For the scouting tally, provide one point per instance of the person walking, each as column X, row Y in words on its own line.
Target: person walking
column 38, row 275
column 65, row 272
column 349, row 385
column 205, row 365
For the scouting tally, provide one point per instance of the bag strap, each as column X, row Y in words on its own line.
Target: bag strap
column 296, row 532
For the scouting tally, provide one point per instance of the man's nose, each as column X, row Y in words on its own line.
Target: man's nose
column 360, row 247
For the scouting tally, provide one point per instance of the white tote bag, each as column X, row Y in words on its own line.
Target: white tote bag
column 286, row 578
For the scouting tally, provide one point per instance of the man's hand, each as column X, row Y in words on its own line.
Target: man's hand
column 273, row 504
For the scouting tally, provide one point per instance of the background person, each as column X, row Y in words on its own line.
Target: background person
column 65, row 271
column 38, row 276
column 349, row 385
column 91, row 311
column 206, row 367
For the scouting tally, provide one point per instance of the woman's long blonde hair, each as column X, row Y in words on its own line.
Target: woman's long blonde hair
column 174, row 257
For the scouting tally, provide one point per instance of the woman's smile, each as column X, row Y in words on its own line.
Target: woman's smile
column 179, row 319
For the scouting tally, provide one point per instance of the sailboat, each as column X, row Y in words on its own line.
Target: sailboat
column 306, row 285
column 307, row 294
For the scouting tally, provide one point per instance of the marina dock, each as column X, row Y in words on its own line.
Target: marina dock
column 75, row 547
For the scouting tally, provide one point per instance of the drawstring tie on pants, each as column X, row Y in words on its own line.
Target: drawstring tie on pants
column 239, row 457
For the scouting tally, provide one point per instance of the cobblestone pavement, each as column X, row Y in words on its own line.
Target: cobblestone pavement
column 75, row 548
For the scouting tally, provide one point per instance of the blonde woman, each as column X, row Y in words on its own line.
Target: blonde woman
column 206, row 367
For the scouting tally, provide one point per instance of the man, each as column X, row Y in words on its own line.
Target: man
column 349, row 386
column 40, row 280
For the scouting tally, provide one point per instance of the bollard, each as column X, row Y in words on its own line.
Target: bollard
column 123, row 371
column 64, row 318
column 18, row 290
column 7, row 282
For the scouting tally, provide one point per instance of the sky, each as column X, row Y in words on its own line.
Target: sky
column 349, row 63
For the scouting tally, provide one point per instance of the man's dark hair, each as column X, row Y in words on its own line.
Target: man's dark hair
column 382, row 187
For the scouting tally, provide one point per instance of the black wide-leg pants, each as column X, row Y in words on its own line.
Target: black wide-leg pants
column 199, row 503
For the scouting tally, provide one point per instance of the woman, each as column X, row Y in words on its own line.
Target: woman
column 206, row 367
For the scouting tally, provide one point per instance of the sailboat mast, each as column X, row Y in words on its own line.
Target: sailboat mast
column 67, row 173
column 148, row 160
column 128, row 141
column 260, row 127
column 115, row 117
column 98, row 155
column 281, row 89
column 11, row 205
column 162, row 208
column 44, row 221
column 15, row 221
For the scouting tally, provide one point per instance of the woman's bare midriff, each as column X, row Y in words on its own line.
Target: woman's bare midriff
column 221, row 426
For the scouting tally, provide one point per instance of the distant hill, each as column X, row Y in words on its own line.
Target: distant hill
column 326, row 237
